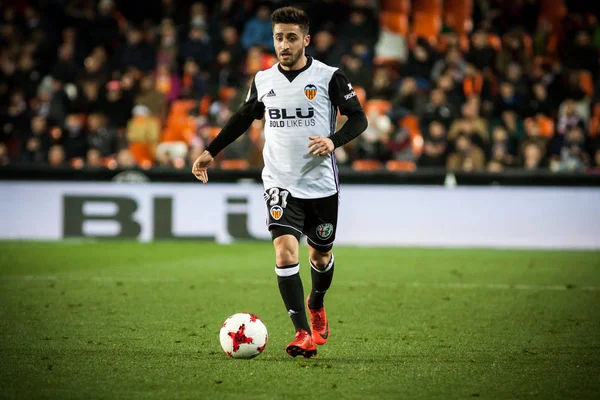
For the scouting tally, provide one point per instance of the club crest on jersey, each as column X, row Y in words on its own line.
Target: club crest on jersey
column 310, row 91
column 276, row 212
column 324, row 231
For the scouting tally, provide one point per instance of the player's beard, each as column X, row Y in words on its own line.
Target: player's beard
column 293, row 59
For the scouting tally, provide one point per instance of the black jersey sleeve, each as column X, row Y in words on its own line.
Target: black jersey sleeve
column 239, row 122
column 344, row 97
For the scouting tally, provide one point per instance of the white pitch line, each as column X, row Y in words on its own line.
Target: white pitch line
column 258, row 282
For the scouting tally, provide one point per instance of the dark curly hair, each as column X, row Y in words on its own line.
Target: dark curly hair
column 291, row 15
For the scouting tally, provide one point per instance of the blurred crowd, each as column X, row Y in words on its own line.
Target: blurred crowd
column 118, row 84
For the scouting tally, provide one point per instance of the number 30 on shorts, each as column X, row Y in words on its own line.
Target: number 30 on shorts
column 277, row 200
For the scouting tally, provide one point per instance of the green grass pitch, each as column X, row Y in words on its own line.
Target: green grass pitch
column 125, row 320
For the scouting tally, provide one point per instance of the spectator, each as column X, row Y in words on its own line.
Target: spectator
column 383, row 85
column 101, row 138
column 167, row 82
column 143, row 134
column 94, row 159
column 420, row 63
column 104, row 28
column 435, row 146
column 65, row 70
column 581, row 54
column 481, row 54
column 231, row 44
column 467, row 156
column 533, row 156
column 168, row 47
column 437, row 109
column 193, row 83
column 538, row 101
column 453, row 61
column 36, row 143
column 116, row 105
column 136, row 52
column 28, row 76
column 4, row 157
column 74, row 138
column 360, row 26
column 56, row 156
column 573, row 155
column 258, row 30
column 198, row 47
column 409, row 98
column 501, row 147
column 149, row 96
column 356, row 72
column 325, row 48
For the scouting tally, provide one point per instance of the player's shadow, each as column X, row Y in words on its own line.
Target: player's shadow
column 327, row 361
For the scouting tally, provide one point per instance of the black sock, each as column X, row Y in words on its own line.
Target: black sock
column 321, row 280
column 292, row 293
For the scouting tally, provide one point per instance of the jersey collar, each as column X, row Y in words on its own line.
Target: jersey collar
column 291, row 75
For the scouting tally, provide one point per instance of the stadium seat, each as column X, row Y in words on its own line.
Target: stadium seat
column 227, row 93
column 205, row 104
column 213, row 131
column 546, row 126
column 377, row 106
column 427, row 5
column 426, row 25
column 234, row 164
column 179, row 128
column 411, row 123
column 361, row 94
column 586, row 82
column 366, row 165
column 554, row 11
column 596, row 110
column 594, row 127
column 394, row 22
column 457, row 15
column 495, row 42
column 399, row 6
column 181, row 107
column 399, row 165
column 473, row 84
column 528, row 44
column 255, row 131
column 142, row 152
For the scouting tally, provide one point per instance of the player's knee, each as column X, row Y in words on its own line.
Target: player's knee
column 285, row 252
column 285, row 256
column 320, row 259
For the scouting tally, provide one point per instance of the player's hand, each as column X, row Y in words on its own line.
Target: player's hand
column 201, row 165
column 320, row 146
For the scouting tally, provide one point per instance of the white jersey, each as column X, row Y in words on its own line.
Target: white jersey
column 297, row 105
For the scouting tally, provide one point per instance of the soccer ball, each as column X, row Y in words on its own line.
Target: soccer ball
column 243, row 335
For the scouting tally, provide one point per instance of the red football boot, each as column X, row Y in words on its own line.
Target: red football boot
column 318, row 324
column 302, row 345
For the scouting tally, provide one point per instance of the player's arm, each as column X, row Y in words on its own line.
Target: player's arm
column 239, row 123
column 344, row 97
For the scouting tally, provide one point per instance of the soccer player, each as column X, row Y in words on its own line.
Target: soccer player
column 299, row 98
